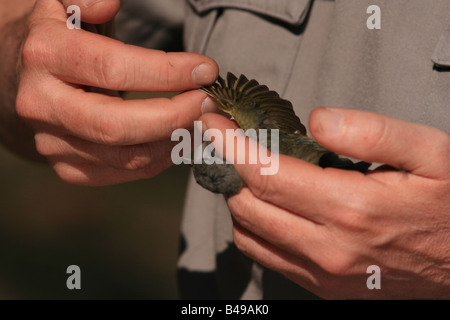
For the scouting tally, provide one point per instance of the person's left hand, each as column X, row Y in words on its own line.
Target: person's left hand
column 323, row 228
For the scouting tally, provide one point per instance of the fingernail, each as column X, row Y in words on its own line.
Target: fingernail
column 204, row 74
column 88, row 3
column 208, row 106
column 330, row 121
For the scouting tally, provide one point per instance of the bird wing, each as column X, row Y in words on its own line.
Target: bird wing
column 235, row 95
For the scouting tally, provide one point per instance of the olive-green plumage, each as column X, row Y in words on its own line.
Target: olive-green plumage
column 254, row 106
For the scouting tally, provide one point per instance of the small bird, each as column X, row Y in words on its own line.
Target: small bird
column 255, row 106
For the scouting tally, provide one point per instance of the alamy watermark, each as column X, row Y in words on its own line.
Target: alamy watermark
column 374, row 280
column 374, row 21
column 74, row 280
column 74, row 20
column 235, row 147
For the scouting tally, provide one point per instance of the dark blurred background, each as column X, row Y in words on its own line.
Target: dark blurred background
column 124, row 237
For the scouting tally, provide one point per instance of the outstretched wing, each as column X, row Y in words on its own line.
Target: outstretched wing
column 239, row 96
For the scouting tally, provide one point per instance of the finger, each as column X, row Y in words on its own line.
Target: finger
column 230, row 141
column 106, row 63
column 305, row 273
column 285, row 230
column 325, row 283
column 95, row 11
column 90, row 59
column 72, row 149
column 112, row 121
column 371, row 137
column 87, row 174
column 209, row 106
column 297, row 236
column 297, row 269
column 318, row 194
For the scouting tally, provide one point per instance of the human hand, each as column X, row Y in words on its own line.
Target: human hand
column 322, row 228
column 92, row 138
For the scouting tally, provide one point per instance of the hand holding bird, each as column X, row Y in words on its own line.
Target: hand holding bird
column 254, row 106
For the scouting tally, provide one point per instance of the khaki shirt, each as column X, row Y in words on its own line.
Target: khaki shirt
column 314, row 53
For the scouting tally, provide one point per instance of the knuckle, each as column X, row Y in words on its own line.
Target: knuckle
column 165, row 72
column 240, row 242
column 68, row 173
column 51, row 146
column 171, row 119
column 340, row 265
column 43, row 146
column 135, row 157
column 377, row 134
column 443, row 147
column 109, row 71
column 241, row 210
column 33, row 101
column 356, row 219
column 175, row 121
column 36, row 49
column 24, row 107
column 110, row 131
column 34, row 55
column 260, row 186
column 436, row 192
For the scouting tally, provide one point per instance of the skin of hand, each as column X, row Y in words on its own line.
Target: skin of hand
column 95, row 138
column 322, row 228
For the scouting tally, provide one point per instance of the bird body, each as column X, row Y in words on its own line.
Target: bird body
column 254, row 106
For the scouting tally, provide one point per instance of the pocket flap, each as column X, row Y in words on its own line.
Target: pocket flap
column 289, row 11
column 441, row 55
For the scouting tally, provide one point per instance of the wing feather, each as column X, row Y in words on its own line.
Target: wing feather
column 235, row 96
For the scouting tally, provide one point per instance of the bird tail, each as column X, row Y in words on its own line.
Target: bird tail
column 332, row 160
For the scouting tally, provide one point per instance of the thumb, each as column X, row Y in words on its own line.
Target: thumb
column 371, row 137
column 95, row 11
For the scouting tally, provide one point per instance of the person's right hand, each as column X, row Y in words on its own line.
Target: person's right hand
column 92, row 138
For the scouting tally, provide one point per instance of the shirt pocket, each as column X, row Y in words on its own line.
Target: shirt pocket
column 270, row 33
column 292, row 12
column 441, row 54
